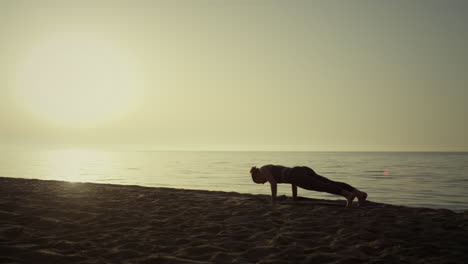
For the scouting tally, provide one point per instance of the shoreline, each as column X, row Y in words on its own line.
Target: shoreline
column 44, row 221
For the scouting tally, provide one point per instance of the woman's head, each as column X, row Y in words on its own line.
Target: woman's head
column 257, row 177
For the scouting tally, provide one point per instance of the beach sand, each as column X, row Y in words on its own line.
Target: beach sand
column 62, row 222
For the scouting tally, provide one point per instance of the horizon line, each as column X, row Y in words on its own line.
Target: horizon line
column 140, row 148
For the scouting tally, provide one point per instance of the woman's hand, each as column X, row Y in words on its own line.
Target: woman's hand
column 273, row 192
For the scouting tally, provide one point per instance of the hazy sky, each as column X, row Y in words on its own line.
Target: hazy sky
column 253, row 75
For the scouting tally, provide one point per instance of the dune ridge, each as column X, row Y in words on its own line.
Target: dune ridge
column 63, row 222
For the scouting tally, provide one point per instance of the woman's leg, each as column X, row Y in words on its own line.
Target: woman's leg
column 362, row 196
column 319, row 183
column 306, row 178
column 345, row 186
column 309, row 180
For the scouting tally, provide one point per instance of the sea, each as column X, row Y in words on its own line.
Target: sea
column 417, row 179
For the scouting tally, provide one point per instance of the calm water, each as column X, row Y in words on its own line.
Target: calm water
column 436, row 180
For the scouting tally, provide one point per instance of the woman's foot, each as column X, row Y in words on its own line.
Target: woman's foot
column 362, row 196
column 349, row 198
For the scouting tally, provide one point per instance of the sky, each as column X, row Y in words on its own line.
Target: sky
column 235, row 75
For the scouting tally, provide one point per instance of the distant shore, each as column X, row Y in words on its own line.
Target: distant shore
column 62, row 222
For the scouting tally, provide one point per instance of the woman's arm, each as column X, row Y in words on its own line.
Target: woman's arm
column 273, row 192
column 294, row 191
column 266, row 172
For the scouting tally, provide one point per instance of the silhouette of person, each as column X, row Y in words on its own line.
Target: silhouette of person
column 305, row 178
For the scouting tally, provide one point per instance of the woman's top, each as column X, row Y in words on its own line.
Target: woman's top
column 280, row 173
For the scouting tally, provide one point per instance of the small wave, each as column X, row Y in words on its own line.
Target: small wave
column 91, row 174
column 382, row 177
column 220, row 162
column 104, row 180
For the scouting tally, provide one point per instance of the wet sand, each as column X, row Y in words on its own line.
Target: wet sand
column 62, row 222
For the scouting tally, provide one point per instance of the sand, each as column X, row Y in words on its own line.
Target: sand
column 62, row 222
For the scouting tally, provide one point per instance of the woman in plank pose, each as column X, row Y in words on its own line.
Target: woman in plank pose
column 305, row 178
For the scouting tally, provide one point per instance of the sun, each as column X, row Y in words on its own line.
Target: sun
column 77, row 80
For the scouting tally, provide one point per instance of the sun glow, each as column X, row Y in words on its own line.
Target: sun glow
column 77, row 80
column 77, row 165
